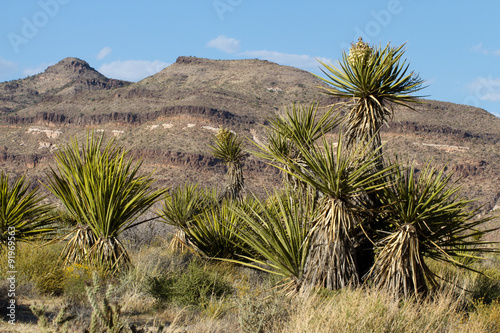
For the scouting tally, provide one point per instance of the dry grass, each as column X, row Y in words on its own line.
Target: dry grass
column 371, row 311
column 255, row 307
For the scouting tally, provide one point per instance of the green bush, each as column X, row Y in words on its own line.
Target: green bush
column 51, row 282
column 194, row 286
column 486, row 287
column 40, row 266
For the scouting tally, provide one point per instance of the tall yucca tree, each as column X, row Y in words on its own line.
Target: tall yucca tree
column 228, row 147
column 342, row 178
column 23, row 215
column 374, row 78
column 428, row 220
column 101, row 188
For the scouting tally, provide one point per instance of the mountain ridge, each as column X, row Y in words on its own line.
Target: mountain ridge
column 171, row 116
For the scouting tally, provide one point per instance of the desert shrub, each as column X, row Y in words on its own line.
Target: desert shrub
column 194, row 286
column 486, row 288
column 260, row 314
column 487, row 316
column 51, row 282
column 76, row 277
column 39, row 266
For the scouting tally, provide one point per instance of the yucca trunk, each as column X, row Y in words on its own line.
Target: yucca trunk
column 235, row 181
column 180, row 243
column 363, row 124
column 105, row 252
column 109, row 254
column 332, row 259
column 400, row 266
column 78, row 247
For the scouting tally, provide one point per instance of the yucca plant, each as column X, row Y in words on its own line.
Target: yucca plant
column 228, row 147
column 23, row 215
column 299, row 123
column 102, row 190
column 343, row 179
column 214, row 232
column 179, row 208
column 428, row 220
column 374, row 78
column 278, row 231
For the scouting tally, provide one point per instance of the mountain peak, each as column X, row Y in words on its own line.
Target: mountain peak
column 71, row 66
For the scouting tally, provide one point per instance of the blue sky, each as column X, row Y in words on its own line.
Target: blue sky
column 454, row 45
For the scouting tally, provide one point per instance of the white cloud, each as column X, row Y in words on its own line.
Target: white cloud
column 38, row 69
column 225, row 44
column 103, row 53
column 7, row 67
column 295, row 60
column 132, row 70
column 480, row 49
column 485, row 89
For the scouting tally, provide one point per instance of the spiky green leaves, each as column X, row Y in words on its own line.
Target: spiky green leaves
column 299, row 124
column 22, row 212
column 303, row 123
column 183, row 203
column 427, row 219
column 374, row 78
column 102, row 190
column 279, row 232
column 380, row 74
column 228, row 146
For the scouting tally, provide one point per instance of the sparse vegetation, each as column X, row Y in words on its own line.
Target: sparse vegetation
column 350, row 242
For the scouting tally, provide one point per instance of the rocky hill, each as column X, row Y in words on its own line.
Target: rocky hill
column 170, row 117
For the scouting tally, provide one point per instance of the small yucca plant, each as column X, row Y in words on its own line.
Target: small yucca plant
column 23, row 215
column 179, row 209
column 427, row 219
column 104, row 193
column 228, row 147
column 215, row 231
column 278, row 232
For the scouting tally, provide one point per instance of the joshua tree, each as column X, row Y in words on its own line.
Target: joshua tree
column 105, row 194
column 23, row 216
column 229, row 148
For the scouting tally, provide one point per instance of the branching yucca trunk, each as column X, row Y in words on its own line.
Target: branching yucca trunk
column 332, row 260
